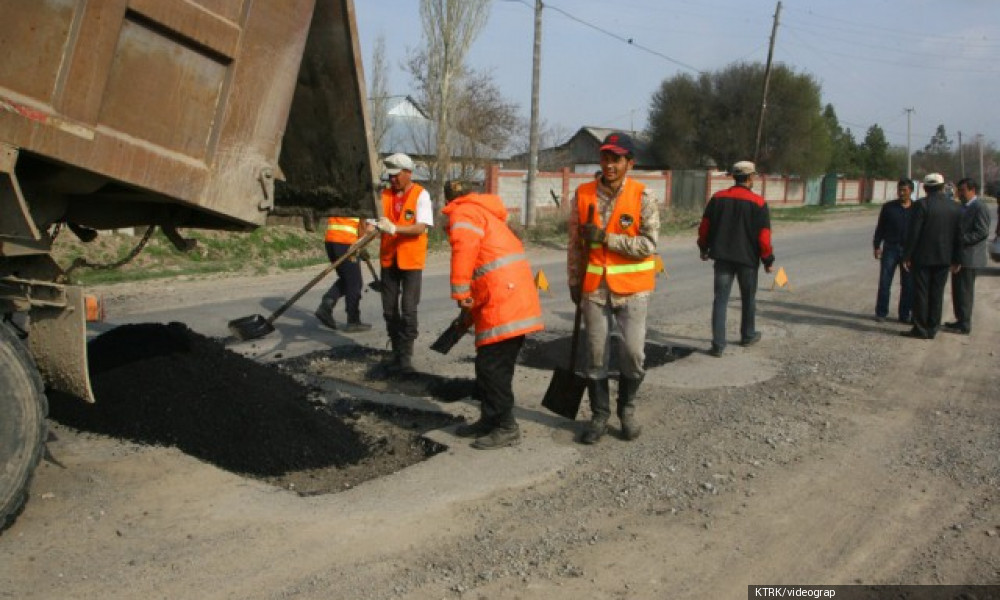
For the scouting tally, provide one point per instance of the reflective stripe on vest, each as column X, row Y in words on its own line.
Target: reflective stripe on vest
column 342, row 230
column 508, row 328
column 624, row 274
column 500, row 262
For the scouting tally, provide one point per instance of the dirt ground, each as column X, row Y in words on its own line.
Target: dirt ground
column 833, row 452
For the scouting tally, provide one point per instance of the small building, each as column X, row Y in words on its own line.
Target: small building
column 580, row 152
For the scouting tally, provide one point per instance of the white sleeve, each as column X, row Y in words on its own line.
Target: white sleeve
column 425, row 210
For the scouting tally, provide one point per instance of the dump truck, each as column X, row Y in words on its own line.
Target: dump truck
column 168, row 114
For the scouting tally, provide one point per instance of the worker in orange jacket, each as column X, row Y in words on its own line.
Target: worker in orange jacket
column 407, row 213
column 491, row 279
column 341, row 233
column 613, row 229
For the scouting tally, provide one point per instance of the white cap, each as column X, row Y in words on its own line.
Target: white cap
column 397, row 162
column 744, row 167
column 934, row 179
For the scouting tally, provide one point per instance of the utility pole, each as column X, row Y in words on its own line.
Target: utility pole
column 909, row 153
column 982, row 173
column 961, row 154
column 767, row 78
column 536, row 68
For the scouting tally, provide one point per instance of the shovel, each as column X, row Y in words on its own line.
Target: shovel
column 456, row 329
column 566, row 388
column 375, row 284
column 256, row 326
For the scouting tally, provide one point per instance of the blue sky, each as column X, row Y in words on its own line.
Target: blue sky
column 872, row 58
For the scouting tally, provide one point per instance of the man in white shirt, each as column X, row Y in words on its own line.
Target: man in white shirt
column 407, row 214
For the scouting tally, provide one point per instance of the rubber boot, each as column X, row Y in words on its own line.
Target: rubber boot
column 391, row 362
column 325, row 312
column 600, row 406
column 501, row 436
column 406, row 357
column 627, row 389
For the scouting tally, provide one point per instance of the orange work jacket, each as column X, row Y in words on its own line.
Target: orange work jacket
column 342, row 230
column 624, row 274
column 409, row 252
column 488, row 264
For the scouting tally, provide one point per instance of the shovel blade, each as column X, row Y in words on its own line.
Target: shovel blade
column 565, row 393
column 376, row 286
column 250, row 328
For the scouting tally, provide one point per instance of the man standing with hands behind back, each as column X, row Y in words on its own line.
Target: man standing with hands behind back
column 617, row 271
column 735, row 232
column 407, row 213
column 975, row 230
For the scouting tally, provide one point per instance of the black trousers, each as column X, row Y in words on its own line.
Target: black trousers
column 928, row 287
column 494, row 378
column 349, row 282
column 400, row 298
column 963, row 291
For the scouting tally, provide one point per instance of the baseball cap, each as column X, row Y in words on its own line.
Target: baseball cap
column 744, row 167
column 397, row 162
column 934, row 179
column 619, row 143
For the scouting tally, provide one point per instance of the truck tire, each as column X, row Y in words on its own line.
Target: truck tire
column 23, row 408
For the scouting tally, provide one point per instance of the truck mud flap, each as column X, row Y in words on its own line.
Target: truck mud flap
column 58, row 342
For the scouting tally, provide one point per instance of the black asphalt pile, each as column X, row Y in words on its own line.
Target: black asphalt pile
column 166, row 385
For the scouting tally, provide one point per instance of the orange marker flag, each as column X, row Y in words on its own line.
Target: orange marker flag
column 541, row 282
column 780, row 278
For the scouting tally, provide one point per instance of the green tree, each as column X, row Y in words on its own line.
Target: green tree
column 875, row 154
column 937, row 156
column 844, row 150
column 715, row 115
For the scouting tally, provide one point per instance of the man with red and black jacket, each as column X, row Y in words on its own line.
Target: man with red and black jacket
column 735, row 232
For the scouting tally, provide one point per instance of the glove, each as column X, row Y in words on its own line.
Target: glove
column 593, row 234
column 574, row 294
column 363, row 254
column 386, row 226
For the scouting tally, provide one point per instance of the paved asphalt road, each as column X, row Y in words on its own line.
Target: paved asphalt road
column 810, row 254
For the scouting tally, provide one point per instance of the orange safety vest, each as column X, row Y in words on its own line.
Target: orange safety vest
column 408, row 251
column 342, row 230
column 624, row 274
column 488, row 264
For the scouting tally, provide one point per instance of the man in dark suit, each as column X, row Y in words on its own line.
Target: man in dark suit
column 975, row 230
column 933, row 244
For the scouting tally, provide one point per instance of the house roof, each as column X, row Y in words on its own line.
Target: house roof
column 409, row 130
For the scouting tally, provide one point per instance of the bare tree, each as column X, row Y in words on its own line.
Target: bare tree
column 379, row 93
column 450, row 27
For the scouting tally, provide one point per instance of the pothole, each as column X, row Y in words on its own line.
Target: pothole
column 551, row 350
column 165, row 385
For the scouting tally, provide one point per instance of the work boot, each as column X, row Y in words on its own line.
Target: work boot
column 600, row 406
column 627, row 389
column 500, row 437
column 356, row 327
column 406, row 357
column 325, row 312
column 391, row 363
column 480, row 428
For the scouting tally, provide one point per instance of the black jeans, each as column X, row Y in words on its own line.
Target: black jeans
column 928, row 285
column 349, row 282
column 494, row 377
column 746, row 277
column 400, row 298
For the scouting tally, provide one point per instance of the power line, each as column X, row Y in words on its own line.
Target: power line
column 628, row 40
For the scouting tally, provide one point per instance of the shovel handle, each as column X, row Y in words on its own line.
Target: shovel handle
column 355, row 247
column 575, row 340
